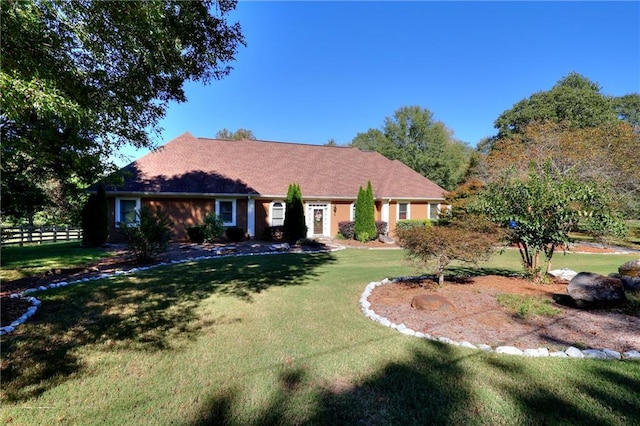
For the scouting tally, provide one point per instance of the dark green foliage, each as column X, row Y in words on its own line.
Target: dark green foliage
column 150, row 236
column 234, row 234
column 212, row 227
column 412, row 223
column 196, row 233
column 294, row 223
column 365, row 222
column 95, row 220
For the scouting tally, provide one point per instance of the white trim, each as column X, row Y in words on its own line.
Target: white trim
column 233, row 210
column 398, row 210
column 326, row 217
column 384, row 213
column 251, row 217
column 117, row 210
column 352, row 211
column 284, row 211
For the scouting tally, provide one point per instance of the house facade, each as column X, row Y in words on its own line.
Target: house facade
column 246, row 182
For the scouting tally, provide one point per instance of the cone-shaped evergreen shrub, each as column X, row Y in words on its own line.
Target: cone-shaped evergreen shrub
column 294, row 224
column 365, row 226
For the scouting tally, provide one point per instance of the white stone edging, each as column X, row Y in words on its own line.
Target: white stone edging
column 570, row 352
column 35, row 303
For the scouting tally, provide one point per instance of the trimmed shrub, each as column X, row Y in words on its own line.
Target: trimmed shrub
column 212, row 227
column 365, row 226
column 381, row 227
column 150, row 236
column 294, row 223
column 347, row 229
column 412, row 223
column 234, row 234
column 196, row 233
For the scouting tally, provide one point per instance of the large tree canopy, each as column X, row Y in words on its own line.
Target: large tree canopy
column 413, row 137
column 80, row 79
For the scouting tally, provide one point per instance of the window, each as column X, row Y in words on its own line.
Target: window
column 352, row 216
column 126, row 211
column 403, row 211
column 434, row 211
column 226, row 209
column 277, row 213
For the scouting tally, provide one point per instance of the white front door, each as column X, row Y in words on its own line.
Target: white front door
column 317, row 219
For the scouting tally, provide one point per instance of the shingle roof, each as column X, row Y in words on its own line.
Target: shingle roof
column 191, row 165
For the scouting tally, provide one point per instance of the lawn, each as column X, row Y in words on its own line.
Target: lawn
column 281, row 340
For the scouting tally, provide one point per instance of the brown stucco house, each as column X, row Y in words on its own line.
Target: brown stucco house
column 246, row 183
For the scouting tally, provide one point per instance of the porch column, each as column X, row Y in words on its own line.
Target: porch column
column 251, row 217
column 384, row 213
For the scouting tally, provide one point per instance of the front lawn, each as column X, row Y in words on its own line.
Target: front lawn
column 281, row 340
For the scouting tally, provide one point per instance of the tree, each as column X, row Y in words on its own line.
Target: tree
column 238, row 135
column 541, row 209
column 294, row 223
column 606, row 155
column 628, row 109
column 413, row 137
column 465, row 240
column 365, row 222
column 81, row 79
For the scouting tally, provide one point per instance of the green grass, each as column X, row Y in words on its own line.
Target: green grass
column 525, row 306
column 18, row 262
column 280, row 340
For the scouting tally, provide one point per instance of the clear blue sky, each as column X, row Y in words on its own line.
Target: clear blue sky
column 313, row 71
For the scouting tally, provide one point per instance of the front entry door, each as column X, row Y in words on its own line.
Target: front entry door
column 318, row 221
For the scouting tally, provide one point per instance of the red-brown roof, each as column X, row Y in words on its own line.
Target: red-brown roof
column 190, row 165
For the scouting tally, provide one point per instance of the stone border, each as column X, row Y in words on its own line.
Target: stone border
column 570, row 352
column 35, row 303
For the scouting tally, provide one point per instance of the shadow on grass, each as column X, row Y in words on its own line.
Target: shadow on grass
column 437, row 386
column 150, row 311
column 465, row 271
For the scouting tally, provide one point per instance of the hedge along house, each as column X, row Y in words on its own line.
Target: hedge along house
column 245, row 182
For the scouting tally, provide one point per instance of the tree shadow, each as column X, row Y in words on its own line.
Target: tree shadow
column 434, row 387
column 466, row 271
column 150, row 311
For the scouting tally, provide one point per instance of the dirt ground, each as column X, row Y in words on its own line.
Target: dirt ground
column 476, row 316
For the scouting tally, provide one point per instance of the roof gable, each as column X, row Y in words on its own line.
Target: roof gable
column 193, row 165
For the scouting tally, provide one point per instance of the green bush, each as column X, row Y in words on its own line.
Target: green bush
column 150, row 236
column 412, row 223
column 196, row 233
column 365, row 223
column 212, row 227
column 234, row 234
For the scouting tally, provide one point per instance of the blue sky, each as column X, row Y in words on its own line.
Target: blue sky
column 314, row 71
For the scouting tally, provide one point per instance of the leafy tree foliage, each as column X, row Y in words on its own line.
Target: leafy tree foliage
column 294, row 223
column 238, row 135
column 465, row 239
column 150, row 236
column 95, row 219
column 81, row 79
column 541, row 209
column 365, row 222
column 413, row 137
column 607, row 155
column 574, row 100
column 628, row 109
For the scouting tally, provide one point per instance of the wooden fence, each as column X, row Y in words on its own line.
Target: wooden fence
column 21, row 235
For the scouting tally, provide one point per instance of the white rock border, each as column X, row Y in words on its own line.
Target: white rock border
column 219, row 254
column 570, row 352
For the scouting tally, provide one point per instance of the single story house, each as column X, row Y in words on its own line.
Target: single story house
column 246, row 182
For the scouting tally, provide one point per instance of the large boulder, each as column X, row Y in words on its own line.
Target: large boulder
column 590, row 290
column 629, row 274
